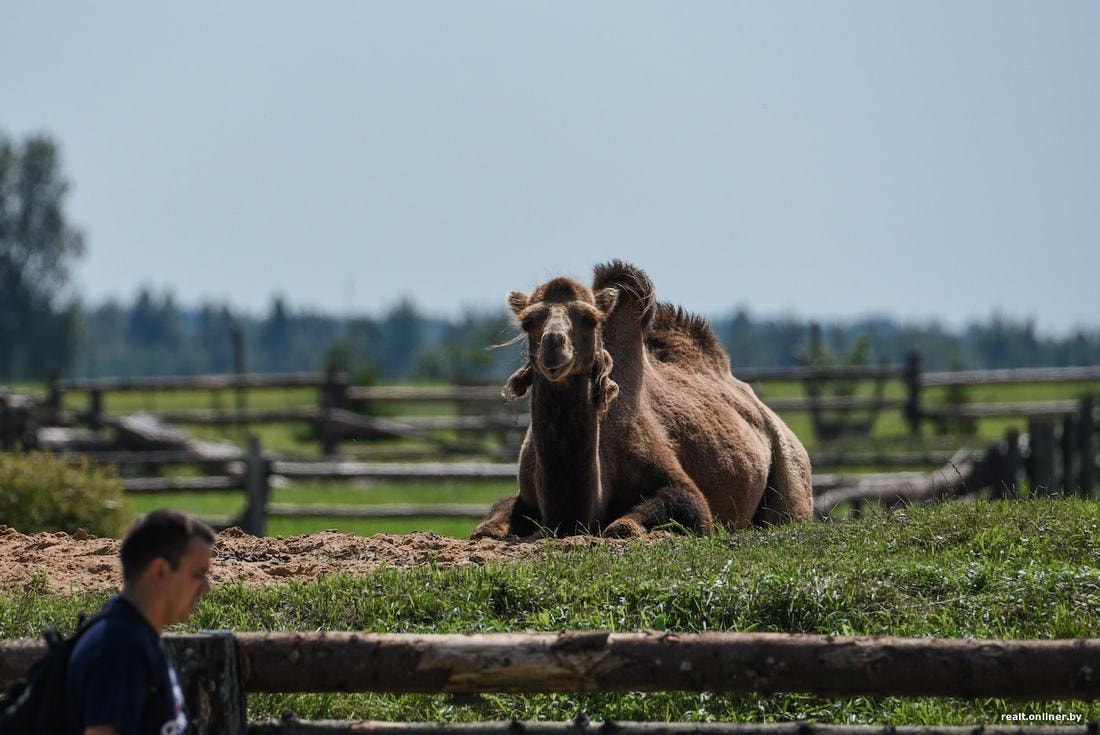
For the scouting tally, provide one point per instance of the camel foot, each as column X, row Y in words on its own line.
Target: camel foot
column 490, row 530
column 624, row 528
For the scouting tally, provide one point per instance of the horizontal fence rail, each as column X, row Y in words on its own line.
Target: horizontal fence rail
column 634, row 662
column 342, row 411
column 219, row 381
column 1014, row 376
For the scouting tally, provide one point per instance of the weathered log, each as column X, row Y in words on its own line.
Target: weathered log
column 207, row 417
column 154, row 485
column 824, row 482
column 1005, row 409
column 209, row 667
column 763, row 662
column 441, row 394
column 387, row 510
column 146, row 431
column 877, row 459
column 963, row 472
column 152, row 457
column 833, row 403
column 598, row 661
column 1017, row 375
column 195, row 382
column 394, row 471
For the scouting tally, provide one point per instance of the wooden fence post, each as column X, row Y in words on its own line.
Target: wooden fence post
column 212, row 679
column 913, row 414
column 334, row 394
column 1068, row 447
column 240, row 370
column 95, row 409
column 53, row 398
column 256, row 483
column 1086, row 427
column 1012, row 464
column 1040, row 462
column 7, row 425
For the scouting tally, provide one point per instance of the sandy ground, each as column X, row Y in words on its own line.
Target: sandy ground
column 81, row 562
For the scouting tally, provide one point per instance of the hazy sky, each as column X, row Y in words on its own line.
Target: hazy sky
column 831, row 159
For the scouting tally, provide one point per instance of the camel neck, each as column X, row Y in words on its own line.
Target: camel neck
column 623, row 339
column 565, row 431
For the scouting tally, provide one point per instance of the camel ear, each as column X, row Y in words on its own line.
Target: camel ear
column 604, row 389
column 518, row 301
column 606, row 298
column 518, row 383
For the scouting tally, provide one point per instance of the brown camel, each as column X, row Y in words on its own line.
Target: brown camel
column 669, row 438
column 568, row 374
column 676, row 394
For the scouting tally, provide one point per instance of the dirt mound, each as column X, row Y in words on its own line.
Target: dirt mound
column 84, row 563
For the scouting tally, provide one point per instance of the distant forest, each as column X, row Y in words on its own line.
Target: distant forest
column 46, row 329
column 154, row 336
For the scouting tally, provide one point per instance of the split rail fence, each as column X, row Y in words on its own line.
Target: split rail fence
column 219, row 668
column 1058, row 451
column 340, row 413
column 1039, row 460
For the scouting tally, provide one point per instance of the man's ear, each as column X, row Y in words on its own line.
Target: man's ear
column 159, row 568
column 606, row 299
column 518, row 301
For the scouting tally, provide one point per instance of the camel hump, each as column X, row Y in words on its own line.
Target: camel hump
column 634, row 287
column 678, row 336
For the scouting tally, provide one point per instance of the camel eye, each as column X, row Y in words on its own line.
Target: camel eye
column 585, row 318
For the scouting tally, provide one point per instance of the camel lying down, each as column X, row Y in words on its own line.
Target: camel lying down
column 637, row 423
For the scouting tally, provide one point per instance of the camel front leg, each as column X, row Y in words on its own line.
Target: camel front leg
column 510, row 516
column 671, row 504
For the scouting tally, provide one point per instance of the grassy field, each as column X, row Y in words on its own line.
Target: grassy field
column 1024, row 569
column 343, row 494
column 890, row 433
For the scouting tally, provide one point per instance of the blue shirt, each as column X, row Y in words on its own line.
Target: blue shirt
column 120, row 674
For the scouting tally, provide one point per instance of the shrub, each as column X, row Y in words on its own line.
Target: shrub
column 41, row 492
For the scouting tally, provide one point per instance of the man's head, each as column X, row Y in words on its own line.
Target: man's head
column 166, row 554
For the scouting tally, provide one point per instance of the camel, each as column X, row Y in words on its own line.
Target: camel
column 567, row 372
column 637, row 423
column 676, row 391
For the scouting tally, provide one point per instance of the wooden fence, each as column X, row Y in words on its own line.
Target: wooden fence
column 338, row 413
column 218, row 669
column 1047, row 461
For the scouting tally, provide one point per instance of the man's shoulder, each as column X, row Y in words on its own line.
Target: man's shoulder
column 116, row 631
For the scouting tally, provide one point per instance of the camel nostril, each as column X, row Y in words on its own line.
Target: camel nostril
column 554, row 352
column 553, row 340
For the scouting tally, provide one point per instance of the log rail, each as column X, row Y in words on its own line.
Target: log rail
column 598, row 661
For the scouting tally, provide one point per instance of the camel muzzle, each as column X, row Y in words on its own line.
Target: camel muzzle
column 555, row 356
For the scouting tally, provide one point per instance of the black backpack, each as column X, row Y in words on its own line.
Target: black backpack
column 35, row 703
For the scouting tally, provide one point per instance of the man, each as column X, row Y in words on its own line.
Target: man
column 120, row 680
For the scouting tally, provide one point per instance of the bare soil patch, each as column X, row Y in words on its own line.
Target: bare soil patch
column 84, row 563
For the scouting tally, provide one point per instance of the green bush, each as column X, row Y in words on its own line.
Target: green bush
column 41, row 492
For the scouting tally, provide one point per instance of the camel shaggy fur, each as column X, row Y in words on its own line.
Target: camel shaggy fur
column 636, row 421
column 676, row 393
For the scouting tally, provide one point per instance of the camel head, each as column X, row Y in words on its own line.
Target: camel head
column 562, row 321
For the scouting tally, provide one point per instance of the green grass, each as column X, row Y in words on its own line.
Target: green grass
column 232, row 504
column 1027, row 569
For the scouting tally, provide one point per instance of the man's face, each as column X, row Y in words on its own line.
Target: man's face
column 186, row 584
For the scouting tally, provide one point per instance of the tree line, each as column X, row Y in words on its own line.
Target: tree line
column 46, row 329
column 154, row 336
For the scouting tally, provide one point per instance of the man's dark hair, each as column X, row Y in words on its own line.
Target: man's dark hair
column 159, row 533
